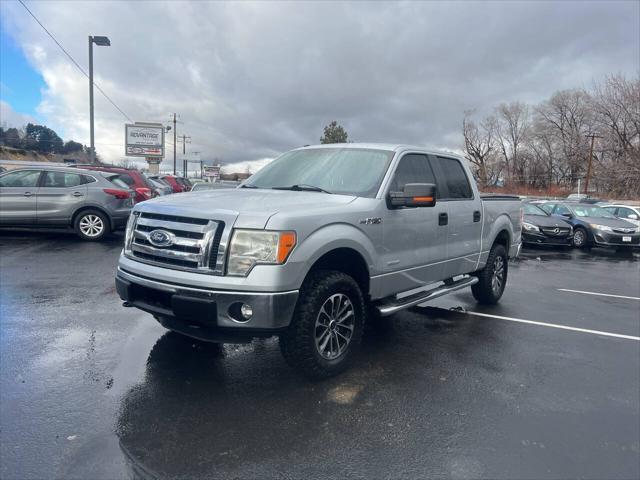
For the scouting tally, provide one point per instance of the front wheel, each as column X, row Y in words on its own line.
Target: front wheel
column 492, row 279
column 580, row 238
column 327, row 325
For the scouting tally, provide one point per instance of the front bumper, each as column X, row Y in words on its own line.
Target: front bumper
column 535, row 238
column 206, row 313
column 613, row 239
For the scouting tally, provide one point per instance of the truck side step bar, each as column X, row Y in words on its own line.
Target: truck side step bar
column 395, row 305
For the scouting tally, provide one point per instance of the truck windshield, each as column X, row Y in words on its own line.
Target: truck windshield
column 348, row 171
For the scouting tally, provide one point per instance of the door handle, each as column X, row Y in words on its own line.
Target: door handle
column 443, row 219
column 27, row 194
column 77, row 194
column 476, row 216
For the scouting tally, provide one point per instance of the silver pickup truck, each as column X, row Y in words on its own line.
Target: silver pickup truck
column 320, row 241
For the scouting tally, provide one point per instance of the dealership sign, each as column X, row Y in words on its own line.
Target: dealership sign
column 144, row 140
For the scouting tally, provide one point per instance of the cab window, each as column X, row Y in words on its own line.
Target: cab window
column 413, row 168
column 23, row 178
column 455, row 178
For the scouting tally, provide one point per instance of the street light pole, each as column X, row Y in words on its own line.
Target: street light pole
column 103, row 42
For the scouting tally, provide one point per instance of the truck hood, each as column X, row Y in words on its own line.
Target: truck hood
column 249, row 208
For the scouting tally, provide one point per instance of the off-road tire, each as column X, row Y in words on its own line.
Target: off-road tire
column 298, row 342
column 80, row 225
column 484, row 291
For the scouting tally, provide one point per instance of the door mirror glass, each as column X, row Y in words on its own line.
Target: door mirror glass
column 413, row 195
column 633, row 216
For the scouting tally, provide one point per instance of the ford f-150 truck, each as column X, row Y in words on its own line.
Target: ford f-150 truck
column 316, row 243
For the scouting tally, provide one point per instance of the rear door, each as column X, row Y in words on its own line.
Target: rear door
column 414, row 242
column 464, row 209
column 18, row 193
column 60, row 195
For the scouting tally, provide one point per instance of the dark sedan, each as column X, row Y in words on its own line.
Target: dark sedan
column 593, row 226
column 540, row 228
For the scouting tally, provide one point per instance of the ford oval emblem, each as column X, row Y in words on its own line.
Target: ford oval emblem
column 161, row 238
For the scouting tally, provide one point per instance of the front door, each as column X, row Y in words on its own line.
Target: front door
column 18, row 192
column 60, row 195
column 414, row 241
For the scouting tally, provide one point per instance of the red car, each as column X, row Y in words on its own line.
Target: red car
column 178, row 184
column 132, row 177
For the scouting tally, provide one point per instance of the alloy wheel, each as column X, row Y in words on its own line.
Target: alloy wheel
column 497, row 280
column 91, row 225
column 334, row 326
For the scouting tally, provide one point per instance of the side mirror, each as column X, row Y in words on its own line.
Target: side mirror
column 633, row 216
column 413, row 195
column 567, row 215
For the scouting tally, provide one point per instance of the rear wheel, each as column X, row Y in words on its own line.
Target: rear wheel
column 327, row 325
column 91, row 225
column 492, row 279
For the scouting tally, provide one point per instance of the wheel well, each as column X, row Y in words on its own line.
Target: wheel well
column 503, row 239
column 346, row 260
column 84, row 209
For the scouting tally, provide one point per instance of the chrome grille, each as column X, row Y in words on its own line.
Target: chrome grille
column 624, row 230
column 194, row 245
column 556, row 231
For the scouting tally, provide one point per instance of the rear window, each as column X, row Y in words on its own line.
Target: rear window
column 455, row 178
column 127, row 179
column 118, row 181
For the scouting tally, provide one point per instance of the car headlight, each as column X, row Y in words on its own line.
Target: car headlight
column 604, row 228
column 530, row 227
column 128, row 232
column 252, row 247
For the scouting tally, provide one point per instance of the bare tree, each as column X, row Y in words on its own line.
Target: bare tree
column 513, row 124
column 479, row 146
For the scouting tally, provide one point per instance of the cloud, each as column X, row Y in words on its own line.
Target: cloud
column 251, row 80
column 10, row 118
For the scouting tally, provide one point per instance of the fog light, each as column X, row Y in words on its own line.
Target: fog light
column 246, row 311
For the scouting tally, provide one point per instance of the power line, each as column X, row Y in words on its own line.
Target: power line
column 73, row 60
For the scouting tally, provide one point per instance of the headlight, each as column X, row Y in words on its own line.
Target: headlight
column 128, row 233
column 252, row 247
column 530, row 227
column 604, row 228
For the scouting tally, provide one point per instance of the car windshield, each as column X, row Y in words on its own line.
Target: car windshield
column 349, row 171
column 591, row 211
column 530, row 209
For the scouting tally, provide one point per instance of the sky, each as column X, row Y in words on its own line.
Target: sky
column 252, row 80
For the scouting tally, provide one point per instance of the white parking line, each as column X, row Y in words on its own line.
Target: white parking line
column 599, row 294
column 553, row 325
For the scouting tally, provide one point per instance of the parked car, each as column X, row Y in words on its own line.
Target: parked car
column 200, row 186
column 132, row 177
column 625, row 212
column 93, row 203
column 177, row 186
column 315, row 242
column 185, row 182
column 158, row 185
column 541, row 228
column 595, row 226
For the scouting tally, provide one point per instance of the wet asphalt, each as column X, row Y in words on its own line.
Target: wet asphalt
column 89, row 389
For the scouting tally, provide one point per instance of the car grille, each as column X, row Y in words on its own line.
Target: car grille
column 195, row 244
column 556, row 231
column 624, row 230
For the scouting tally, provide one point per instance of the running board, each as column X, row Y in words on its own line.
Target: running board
column 396, row 305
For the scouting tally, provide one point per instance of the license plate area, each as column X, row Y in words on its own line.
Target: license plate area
column 626, row 239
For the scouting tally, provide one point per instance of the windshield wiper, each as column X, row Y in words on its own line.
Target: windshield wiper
column 303, row 187
column 248, row 186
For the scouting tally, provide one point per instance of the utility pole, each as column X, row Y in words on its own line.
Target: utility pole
column 184, row 139
column 593, row 136
column 174, row 144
